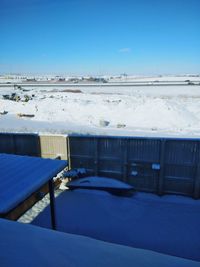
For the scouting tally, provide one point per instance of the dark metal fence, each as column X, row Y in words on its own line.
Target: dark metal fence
column 46, row 146
column 20, row 144
column 157, row 165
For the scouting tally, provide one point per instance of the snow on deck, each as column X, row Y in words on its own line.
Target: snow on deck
column 26, row 245
column 168, row 224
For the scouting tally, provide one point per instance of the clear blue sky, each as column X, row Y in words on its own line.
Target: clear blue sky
column 100, row 37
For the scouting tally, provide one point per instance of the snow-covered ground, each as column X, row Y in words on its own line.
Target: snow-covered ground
column 116, row 110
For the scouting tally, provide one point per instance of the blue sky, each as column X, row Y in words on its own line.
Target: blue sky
column 100, row 37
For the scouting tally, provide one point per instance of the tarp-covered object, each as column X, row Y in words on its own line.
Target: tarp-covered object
column 168, row 224
column 26, row 245
column 101, row 183
column 20, row 176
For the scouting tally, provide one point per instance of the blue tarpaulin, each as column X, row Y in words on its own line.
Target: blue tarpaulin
column 20, row 176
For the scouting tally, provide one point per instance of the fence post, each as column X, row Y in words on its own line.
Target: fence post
column 196, row 193
column 14, row 143
column 96, row 156
column 68, row 152
column 125, row 160
column 161, row 173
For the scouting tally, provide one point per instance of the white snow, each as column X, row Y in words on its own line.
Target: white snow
column 138, row 110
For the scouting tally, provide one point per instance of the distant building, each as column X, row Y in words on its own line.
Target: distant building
column 30, row 79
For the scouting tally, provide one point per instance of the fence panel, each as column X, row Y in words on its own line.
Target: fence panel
column 144, row 163
column 7, row 143
column 109, row 157
column 82, row 153
column 52, row 146
column 27, row 144
column 20, row 144
column 159, row 165
column 181, row 159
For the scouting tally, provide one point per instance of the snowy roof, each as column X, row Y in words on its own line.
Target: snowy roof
column 20, row 176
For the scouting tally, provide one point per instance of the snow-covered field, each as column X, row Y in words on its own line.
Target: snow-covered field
column 111, row 110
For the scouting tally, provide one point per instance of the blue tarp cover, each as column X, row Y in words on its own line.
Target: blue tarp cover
column 20, row 176
column 168, row 224
column 31, row 246
column 100, row 182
